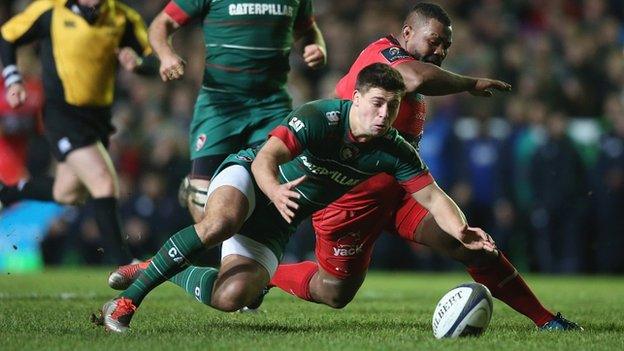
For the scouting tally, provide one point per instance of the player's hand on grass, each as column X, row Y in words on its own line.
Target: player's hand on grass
column 171, row 67
column 486, row 87
column 15, row 95
column 475, row 238
column 128, row 58
column 283, row 197
column 314, row 56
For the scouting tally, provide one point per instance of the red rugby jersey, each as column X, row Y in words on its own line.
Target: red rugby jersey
column 387, row 50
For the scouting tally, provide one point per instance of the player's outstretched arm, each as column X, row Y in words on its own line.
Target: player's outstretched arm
column 265, row 167
column 171, row 65
column 451, row 219
column 429, row 79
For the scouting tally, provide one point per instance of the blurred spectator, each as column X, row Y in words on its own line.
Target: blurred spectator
column 609, row 195
column 558, row 181
column 17, row 126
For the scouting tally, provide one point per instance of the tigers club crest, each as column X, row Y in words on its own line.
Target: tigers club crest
column 200, row 141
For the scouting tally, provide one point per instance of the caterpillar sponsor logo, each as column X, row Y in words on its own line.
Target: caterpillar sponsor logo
column 249, row 8
column 296, row 124
column 334, row 175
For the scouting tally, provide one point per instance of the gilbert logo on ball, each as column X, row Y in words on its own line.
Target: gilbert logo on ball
column 464, row 311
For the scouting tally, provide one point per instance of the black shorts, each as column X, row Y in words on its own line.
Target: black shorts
column 68, row 127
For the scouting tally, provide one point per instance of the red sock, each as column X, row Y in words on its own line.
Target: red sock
column 295, row 278
column 507, row 285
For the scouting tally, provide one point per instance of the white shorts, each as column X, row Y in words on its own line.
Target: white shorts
column 238, row 177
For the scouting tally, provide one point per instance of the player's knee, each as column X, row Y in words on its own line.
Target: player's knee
column 106, row 186
column 216, row 229
column 338, row 297
column 231, row 298
column 339, row 301
column 70, row 197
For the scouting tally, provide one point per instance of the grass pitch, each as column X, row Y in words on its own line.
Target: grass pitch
column 50, row 311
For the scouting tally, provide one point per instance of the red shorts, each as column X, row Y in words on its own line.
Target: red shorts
column 347, row 229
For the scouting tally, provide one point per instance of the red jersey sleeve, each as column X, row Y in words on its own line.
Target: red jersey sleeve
column 418, row 182
column 176, row 13
column 288, row 137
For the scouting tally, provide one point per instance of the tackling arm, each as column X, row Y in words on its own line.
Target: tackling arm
column 429, row 79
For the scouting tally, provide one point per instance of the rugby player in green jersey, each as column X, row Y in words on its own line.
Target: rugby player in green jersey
column 243, row 94
column 319, row 152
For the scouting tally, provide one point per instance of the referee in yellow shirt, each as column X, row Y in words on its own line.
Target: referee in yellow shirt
column 82, row 43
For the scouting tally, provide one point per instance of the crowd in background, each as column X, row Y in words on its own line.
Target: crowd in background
column 541, row 168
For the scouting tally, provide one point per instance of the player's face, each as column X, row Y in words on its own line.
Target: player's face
column 428, row 41
column 377, row 110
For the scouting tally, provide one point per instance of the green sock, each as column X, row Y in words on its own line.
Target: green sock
column 197, row 281
column 170, row 260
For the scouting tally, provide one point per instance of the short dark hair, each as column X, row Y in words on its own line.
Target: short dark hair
column 379, row 75
column 428, row 10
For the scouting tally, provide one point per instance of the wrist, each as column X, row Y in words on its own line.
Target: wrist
column 11, row 75
column 471, row 83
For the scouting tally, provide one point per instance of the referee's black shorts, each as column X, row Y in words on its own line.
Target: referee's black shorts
column 68, row 127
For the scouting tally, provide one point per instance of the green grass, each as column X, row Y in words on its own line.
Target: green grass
column 50, row 311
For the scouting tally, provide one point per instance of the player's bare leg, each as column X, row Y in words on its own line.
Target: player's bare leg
column 332, row 291
column 67, row 188
column 310, row 282
column 92, row 166
column 240, row 281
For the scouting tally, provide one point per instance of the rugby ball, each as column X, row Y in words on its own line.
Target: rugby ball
column 464, row 311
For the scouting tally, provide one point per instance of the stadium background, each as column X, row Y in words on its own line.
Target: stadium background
column 565, row 60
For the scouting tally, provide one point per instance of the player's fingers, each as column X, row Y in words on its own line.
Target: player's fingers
column 293, row 195
column 503, row 85
column 295, row 182
column 163, row 74
column 287, row 214
column 292, row 205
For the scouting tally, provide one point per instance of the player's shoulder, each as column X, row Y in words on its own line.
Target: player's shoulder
column 126, row 10
column 394, row 143
column 323, row 113
column 324, row 106
column 39, row 6
column 388, row 50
